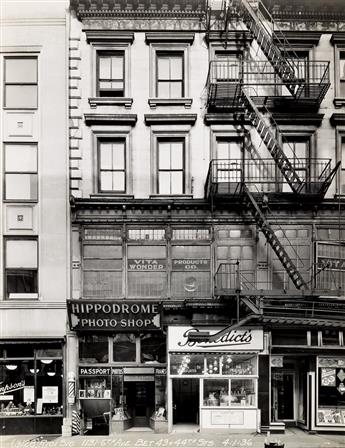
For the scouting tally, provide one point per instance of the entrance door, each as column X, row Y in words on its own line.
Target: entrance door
column 186, row 400
column 140, row 401
column 283, row 391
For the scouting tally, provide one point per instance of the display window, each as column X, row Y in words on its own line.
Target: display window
column 93, row 349
column 331, row 391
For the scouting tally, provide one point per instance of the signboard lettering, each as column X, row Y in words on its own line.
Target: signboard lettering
column 122, row 316
column 337, row 264
column 11, row 387
column 191, row 264
column 143, row 264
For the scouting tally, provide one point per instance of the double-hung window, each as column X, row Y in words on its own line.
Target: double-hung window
column 112, row 165
column 21, row 172
column 171, row 166
column 21, row 268
column 297, row 151
column 111, row 74
column 20, row 83
column 342, row 74
column 170, row 78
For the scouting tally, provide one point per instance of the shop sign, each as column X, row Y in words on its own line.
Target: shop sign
column 240, row 339
column 161, row 371
column 11, row 387
column 191, row 264
column 94, row 371
column 335, row 264
column 134, row 378
column 107, row 316
column 145, row 264
column 277, row 361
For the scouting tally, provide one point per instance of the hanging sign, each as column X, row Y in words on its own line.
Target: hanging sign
column 109, row 315
column 240, row 339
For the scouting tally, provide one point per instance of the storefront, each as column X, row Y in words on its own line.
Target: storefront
column 31, row 387
column 121, row 378
column 214, row 385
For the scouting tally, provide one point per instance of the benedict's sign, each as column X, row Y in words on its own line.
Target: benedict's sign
column 107, row 316
column 244, row 339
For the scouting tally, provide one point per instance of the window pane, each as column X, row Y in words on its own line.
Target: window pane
column 175, row 89
column 116, row 85
column 188, row 364
column 153, row 348
column 102, row 251
column 146, row 251
column 21, row 70
column 102, row 284
column 124, row 348
column 50, row 375
column 187, row 284
column 239, row 365
column 163, row 90
column 117, row 67
column 106, row 181
column 21, row 282
column 118, row 156
column 21, row 254
column 242, row 393
column 106, row 156
column 177, row 182
column 177, row 156
column 163, row 68
column 164, row 186
column 119, row 181
column 342, row 89
column 223, row 150
column 20, row 158
column 147, row 284
column 104, row 67
column 301, row 149
column 176, row 67
column 93, row 349
column 105, row 85
column 21, row 96
column 216, row 393
column 164, row 155
column 21, row 186
column 190, row 251
column 342, row 66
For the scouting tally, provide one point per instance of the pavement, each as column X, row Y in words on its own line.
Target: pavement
column 293, row 438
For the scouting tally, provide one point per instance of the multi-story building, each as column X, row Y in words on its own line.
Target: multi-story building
column 34, row 279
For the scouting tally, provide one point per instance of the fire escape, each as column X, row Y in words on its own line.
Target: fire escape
column 249, row 89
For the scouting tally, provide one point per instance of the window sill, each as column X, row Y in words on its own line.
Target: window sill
column 171, row 196
column 339, row 102
column 20, row 296
column 112, row 195
column 110, row 101
column 186, row 102
column 20, row 201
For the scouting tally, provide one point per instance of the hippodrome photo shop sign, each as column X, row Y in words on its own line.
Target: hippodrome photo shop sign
column 91, row 315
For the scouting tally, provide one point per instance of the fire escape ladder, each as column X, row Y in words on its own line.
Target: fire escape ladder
column 273, row 240
column 265, row 37
column 272, row 144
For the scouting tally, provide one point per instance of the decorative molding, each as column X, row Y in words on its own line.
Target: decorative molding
column 151, row 119
column 338, row 119
column 229, row 118
column 170, row 36
column 338, row 38
column 186, row 102
column 115, row 119
column 311, row 119
column 105, row 35
column 110, row 101
column 27, row 304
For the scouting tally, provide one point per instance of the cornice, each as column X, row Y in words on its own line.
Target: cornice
column 115, row 119
column 151, row 119
column 104, row 35
column 169, row 36
column 338, row 119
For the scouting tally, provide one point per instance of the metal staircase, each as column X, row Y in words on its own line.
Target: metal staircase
column 271, row 237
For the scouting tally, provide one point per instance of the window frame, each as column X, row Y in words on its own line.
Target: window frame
column 109, row 54
column 100, row 170
column 36, row 199
column 168, row 55
column 21, row 57
column 339, row 47
column 24, row 295
column 171, row 170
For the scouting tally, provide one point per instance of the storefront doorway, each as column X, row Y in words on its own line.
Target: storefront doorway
column 186, row 400
column 140, row 401
column 283, row 396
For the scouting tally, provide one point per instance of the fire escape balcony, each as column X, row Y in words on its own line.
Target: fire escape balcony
column 227, row 78
column 226, row 178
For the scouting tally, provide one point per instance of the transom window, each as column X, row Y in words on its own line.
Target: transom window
column 112, row 165
column 171, row 167
column 111, row 74
column 170, row 80
column 20, row 82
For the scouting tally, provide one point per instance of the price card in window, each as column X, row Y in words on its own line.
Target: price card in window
column 50, row 394
column 328, row 377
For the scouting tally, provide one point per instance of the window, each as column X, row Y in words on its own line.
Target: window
column 20, row 82
column 93, row 349
column 21, row 172
column 111, row 74
column 342, row 74
column 342, row 172
column 124, row 348
column 21, row 267
column 171, row 167
column 296, row 150
column 170, row 79
column 229, row 159
column 112, row 166
column 228, row 64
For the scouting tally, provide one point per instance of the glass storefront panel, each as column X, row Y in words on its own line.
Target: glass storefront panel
column 153, row 348
column 239, row 365
column 187, row 364
column 242, row 392
column 124, row 348
column 49, row 386
column 216, row 392
column 93, row 349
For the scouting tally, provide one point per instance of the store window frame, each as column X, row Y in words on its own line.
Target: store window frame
column 18, row 84
column 34, row 271
column 32, row 173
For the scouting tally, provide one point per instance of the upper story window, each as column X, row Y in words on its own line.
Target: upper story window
column 21, row 268
column 21, row 172
column 227, row 65
column 21, row 83
column 112, row 165
column 171, row 167
column 111, row 74
column 342, row 74
column 170, row 75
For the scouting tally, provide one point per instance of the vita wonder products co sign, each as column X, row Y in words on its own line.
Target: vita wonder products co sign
column 109, row 315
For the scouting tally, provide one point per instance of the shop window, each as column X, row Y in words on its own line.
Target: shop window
column 111, row 74
column 147, row 271
column 239, row 365
column 146, row 234
column 160, row 397
column 19, row 351
column 21, row 180
column 21, row 264
column 112, row 166
column 216, row 392
column 102, row 270
column 186, row 364
column 124, row 348
column 153, row 348
column 191, row 276
column 95, row 387
column 49, row 386
column 171, row 167
column 103, row 234
column 242, row 392
column 191, row 234
column 20, row 82
column 170, row 74
column 93, row 349
column 330, row 337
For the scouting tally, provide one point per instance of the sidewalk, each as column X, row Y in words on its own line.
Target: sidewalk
column 293, row 438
